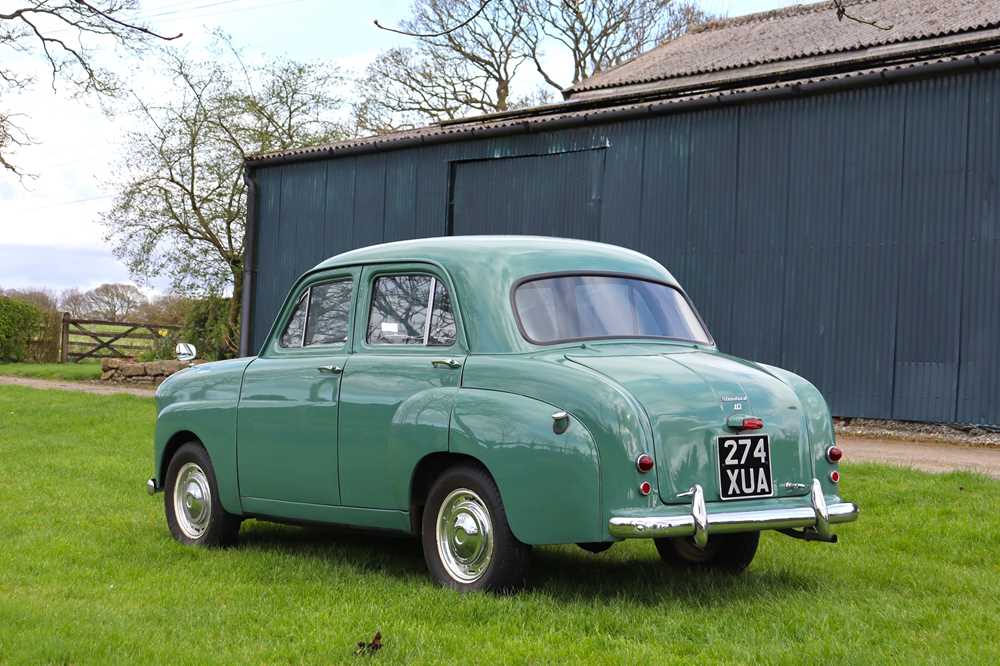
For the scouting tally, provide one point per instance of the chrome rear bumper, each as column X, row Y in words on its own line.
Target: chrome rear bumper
column 699, row 523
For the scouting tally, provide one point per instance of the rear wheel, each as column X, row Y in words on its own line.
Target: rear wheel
column 467, row 542
column 191, row 498
column 731, row 553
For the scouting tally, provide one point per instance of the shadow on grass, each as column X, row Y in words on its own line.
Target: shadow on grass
column 560, row 572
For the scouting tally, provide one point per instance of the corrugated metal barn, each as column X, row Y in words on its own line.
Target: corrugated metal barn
column 828, row 193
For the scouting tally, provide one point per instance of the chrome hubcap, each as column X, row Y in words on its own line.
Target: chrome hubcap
column 192, row 500
column 464, row 535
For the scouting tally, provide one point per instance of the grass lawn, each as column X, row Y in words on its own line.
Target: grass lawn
column 70, row 371
column 89, row 574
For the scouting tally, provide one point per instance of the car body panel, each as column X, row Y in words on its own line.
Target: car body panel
column 549, row 482
column 288, row 418
column 202, row 400
column 687, row 395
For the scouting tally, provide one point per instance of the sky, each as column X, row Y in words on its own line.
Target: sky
column 50, row 231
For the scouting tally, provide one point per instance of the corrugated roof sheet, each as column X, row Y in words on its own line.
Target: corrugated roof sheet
column 800, row 31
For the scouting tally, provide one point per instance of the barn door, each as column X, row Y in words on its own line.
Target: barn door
column 545, row 195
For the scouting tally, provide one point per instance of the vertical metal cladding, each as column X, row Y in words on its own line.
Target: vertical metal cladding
column 852, row 237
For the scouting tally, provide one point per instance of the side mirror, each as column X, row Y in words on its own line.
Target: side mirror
column 185, row 351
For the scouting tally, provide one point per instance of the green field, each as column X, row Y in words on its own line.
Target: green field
column 89, row 574
column 70, row 371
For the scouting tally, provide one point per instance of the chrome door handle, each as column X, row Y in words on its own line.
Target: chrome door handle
column 330, row 369
column 446, row 363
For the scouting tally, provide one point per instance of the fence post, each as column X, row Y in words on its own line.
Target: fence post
column 64, row 342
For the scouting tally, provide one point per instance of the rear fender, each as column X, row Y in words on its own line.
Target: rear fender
column 549, row 483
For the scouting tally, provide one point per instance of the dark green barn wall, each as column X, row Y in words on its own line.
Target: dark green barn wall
column 852, row 237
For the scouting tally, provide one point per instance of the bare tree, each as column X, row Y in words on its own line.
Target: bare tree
column 467, row 54
column 74, row 302
column 181, row 205
column 598, row 34
column 465, row 62
column 114, row 302
column 64, row 34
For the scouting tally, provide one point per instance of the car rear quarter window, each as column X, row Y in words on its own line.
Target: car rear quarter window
column 399, row 312
column 442, row 331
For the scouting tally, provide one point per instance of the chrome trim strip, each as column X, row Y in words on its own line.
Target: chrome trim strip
column 818, row 515
column 430, row 311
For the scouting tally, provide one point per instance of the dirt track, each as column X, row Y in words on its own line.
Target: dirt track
column 927, row 456
column 86, row 387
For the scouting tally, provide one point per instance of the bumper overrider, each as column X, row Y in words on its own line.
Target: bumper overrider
column 698, row 523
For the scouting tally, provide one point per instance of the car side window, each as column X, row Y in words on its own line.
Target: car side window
column 442, row 330
column 329, row 312
column 399, row 312
column 291, row 337
column 320, row 317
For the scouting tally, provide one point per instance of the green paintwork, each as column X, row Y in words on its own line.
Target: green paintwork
column 547, row 481
column 202, row 400
column 344, row 448
column 395, row 407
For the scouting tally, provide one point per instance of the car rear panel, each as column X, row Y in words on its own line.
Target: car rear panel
column 688, row 396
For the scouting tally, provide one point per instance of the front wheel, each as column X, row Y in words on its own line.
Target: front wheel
column 467, row 542
column 191, row 498
column 731, row 553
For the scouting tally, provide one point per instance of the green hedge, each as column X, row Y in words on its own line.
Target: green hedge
column 19, row 323
column 206, row 326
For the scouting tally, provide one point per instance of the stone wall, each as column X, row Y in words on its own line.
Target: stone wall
column 125, row 370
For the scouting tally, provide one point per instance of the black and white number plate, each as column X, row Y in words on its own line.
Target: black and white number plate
column 745, row 467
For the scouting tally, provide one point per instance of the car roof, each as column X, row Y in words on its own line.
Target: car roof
column 485, row 268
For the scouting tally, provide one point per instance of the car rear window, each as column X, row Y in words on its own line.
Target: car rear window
column 582, row 307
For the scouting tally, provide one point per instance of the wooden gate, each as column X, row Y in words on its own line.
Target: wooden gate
column 97, row 338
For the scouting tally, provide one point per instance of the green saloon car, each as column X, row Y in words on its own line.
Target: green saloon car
column 493, row 393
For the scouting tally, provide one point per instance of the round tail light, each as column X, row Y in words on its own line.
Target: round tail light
column 835, row 476
column 644, row 463
column 645, row 488
column 834, row 453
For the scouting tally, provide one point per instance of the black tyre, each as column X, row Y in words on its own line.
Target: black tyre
column 467, row 542
column 731, row 553
column 191, row 499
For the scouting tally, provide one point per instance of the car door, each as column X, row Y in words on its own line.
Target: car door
column 288, row 411
column 398, row 390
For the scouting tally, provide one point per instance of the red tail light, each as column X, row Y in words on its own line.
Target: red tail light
column 833, row 454
column 835, row 476
column 644, row 463
column 645, row 488
column 753, row 423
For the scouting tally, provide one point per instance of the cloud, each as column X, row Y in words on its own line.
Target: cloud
column 59, row 268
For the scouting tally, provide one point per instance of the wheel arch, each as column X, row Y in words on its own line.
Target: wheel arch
column 426, row 471
column 173, row 443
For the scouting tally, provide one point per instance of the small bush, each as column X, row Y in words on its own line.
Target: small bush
column 20, row 323
column 205, row 326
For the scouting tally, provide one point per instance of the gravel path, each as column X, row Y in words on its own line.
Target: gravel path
column 86, row 387
column 926, row 456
